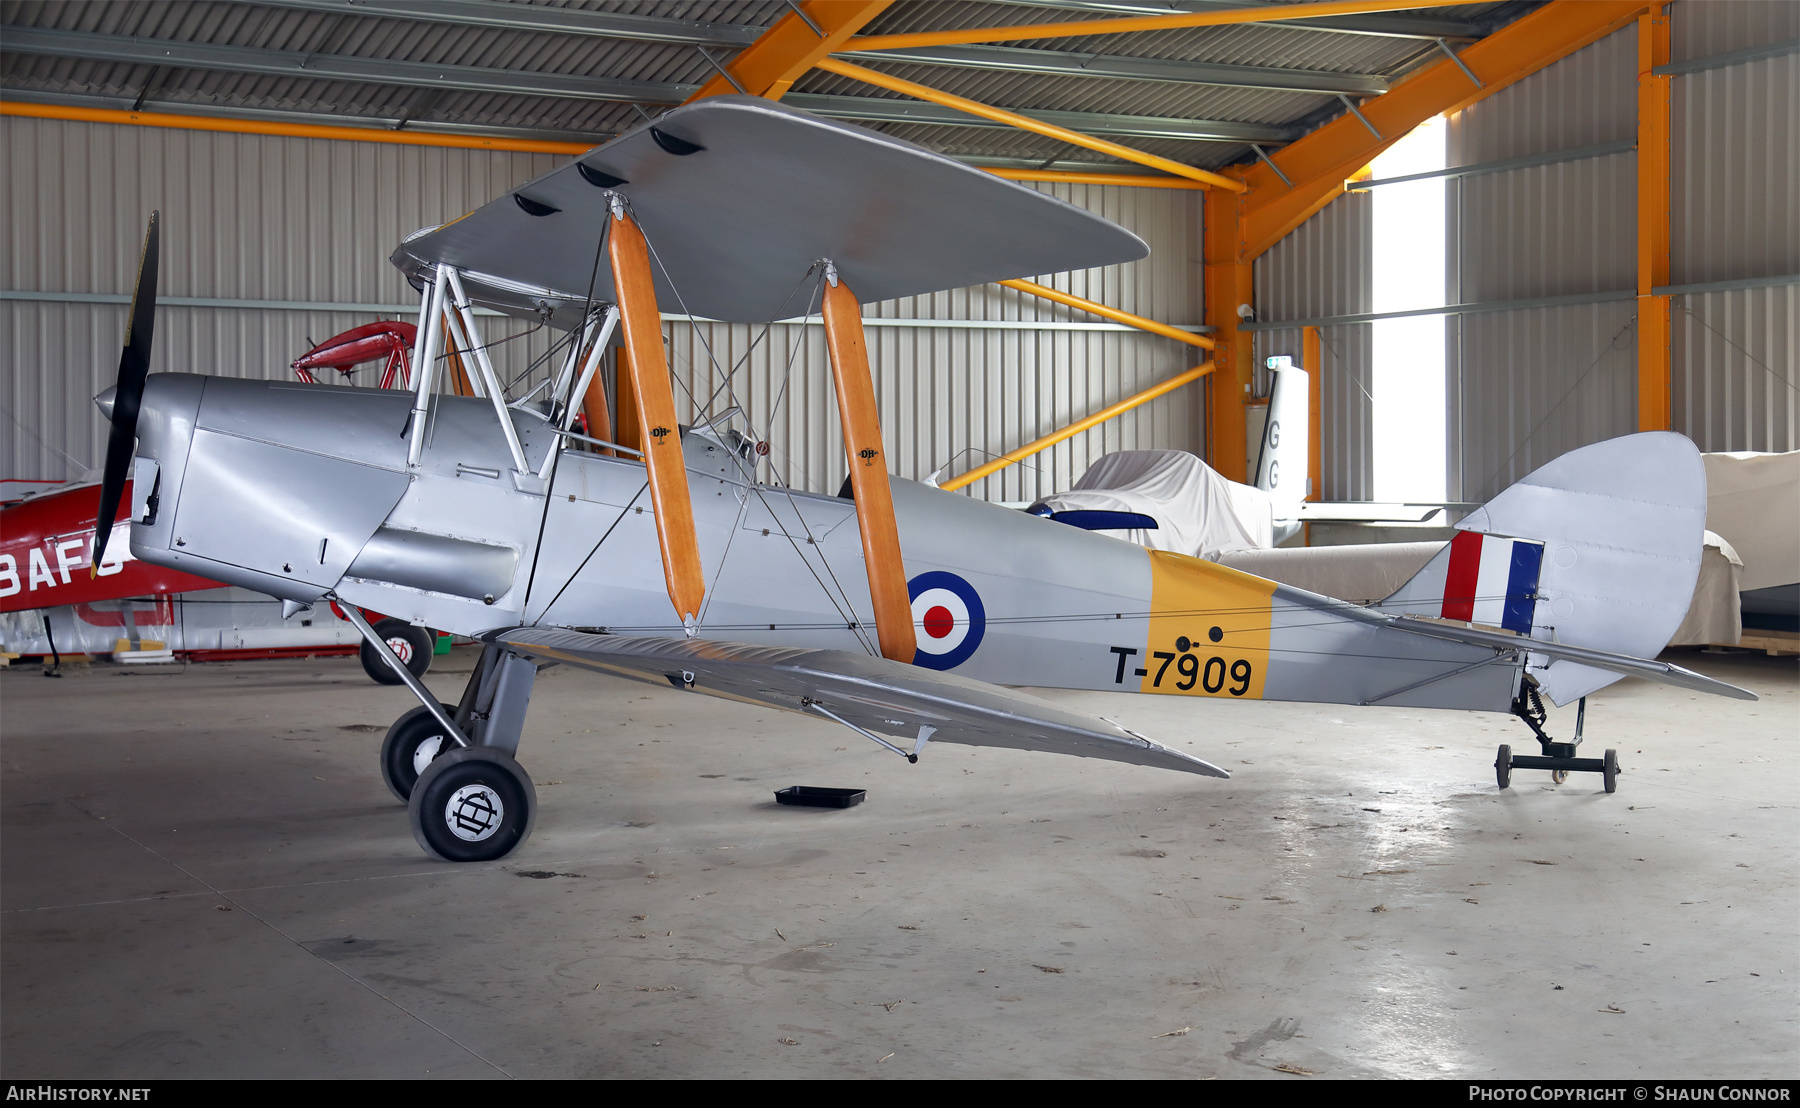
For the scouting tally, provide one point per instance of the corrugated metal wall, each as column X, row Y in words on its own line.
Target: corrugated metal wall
column 1526, row 386
column 266, row 218
column 1324, row 269
column 1736, row 215
column 1529, row 385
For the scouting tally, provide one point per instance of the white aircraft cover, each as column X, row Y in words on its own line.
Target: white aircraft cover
column 739, row 196
column 1198, row 512
column 1750, row 499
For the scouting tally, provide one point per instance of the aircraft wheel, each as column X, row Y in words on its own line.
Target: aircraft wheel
column 473, row 804
column 1558, row 776
column 1503, row 767
column 1609, row 771
column 414, row 740
column 412, row 645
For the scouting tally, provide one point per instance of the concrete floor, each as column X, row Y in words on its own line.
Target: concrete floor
column 202, row 874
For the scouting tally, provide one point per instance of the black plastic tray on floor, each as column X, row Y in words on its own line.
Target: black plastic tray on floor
column 812, row 796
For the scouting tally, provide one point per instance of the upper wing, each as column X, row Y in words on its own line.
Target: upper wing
column 740, row 196
column 873, row 694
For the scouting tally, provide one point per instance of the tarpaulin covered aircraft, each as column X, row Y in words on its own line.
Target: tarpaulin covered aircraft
column 898, row 611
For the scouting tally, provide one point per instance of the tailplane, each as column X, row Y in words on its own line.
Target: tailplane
column 1599, row 548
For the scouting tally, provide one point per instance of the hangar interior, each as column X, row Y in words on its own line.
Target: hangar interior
column 202, row 875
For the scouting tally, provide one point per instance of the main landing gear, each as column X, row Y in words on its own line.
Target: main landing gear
column 1558, row 758
column 468, row 800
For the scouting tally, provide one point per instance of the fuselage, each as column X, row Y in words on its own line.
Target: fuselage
column 298, row 490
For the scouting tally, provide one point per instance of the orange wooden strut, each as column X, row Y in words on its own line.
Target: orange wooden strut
column 649, row 372
column 868, row 471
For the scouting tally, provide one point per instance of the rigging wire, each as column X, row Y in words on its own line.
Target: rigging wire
column 1610, row 346
column 798, row 343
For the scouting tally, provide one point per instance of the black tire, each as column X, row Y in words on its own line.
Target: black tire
column 1609, row 770
column 474, row 804
column 400, row 750
column 412, row 644
column 1503, row 767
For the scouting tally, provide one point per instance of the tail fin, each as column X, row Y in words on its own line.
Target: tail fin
column 1282, row 463
column 1600, row 548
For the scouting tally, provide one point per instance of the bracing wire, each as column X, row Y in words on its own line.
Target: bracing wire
column 1610, row 346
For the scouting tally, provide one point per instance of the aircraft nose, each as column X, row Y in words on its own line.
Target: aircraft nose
column 105, row 402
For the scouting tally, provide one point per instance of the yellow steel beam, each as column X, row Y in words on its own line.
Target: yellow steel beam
column 1077, row 427
column 868, row 470
column 1654, row 340
column 1073, row 177
column 1319, row 163
column 769, row 66
column 1001, row 115
column 1096, row 308
column 1267, row 13
column 288, row 130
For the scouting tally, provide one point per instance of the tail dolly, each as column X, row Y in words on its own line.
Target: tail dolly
column 1558, row 757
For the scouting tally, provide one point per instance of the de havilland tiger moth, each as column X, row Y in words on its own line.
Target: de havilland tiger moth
column 899, row 611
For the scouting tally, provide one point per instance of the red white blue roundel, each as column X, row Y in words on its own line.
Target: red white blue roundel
column 948, row 619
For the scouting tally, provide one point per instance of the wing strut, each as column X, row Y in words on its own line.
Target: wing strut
column 868, row 470
column 655, row 402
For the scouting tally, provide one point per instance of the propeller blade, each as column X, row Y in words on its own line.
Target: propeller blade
column 134, row 366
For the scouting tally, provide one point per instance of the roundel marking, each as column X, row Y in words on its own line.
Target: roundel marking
column 948, row 619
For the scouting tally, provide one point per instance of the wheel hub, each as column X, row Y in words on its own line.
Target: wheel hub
column 474, row 813
column 425, row 752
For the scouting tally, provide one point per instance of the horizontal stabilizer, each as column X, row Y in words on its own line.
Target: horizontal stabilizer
column 1624, row 664
column 874, row 694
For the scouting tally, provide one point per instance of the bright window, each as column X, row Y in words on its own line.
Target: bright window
column 1408, row 247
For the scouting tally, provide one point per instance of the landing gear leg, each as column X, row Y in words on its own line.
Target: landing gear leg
column 474, row 803
column 477, row 804
column 1558, row 757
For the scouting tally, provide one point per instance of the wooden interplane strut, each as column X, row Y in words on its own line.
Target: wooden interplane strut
column 648, row 370
column 868, row 470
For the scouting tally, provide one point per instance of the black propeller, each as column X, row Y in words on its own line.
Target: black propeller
column 134, row 366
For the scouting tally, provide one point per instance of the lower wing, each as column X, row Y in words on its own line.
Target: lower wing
column 874, row 696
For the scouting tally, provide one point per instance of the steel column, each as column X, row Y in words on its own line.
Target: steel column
column 1654, row 338
column 1228, row 285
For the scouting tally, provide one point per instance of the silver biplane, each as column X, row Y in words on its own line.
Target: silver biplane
column 899, row 611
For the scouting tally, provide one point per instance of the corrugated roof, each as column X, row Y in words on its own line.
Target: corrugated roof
column 306, row 34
